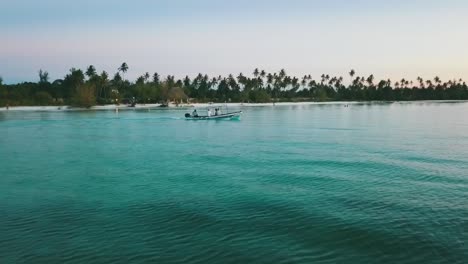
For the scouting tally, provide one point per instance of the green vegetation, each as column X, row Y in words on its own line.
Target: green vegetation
column 84, row 96
column 88, row 88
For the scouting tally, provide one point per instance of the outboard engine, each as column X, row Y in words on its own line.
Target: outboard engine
column 187, row 115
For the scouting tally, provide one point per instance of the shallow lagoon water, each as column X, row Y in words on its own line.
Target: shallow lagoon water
column 368, row 183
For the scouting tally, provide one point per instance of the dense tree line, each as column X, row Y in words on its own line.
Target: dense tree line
column 87, row 88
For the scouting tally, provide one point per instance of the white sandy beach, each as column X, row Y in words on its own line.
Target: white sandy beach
column 202, row 105
column 153, row 106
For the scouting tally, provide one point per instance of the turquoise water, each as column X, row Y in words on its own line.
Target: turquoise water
column 368, row 183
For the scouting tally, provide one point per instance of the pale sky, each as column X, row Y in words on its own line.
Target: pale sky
column 391, row 39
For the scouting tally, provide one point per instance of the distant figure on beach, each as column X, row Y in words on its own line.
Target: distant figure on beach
column 194, row 113
column 7, row 106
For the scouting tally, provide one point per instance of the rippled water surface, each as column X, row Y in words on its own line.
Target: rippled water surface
column 368, row 183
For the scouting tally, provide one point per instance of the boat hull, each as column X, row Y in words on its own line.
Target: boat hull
column 227, row 116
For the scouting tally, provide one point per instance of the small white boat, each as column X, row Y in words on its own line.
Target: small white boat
column 218, row 115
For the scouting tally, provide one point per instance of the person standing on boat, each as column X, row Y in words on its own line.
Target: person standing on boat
column 216, row 111
column 209, row 112
column 194, row 113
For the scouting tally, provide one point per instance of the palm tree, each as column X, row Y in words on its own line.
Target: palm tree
column 370, row 80
column 156, row 78
column 269, row 78
column 282, row 73
column 43, row 76
column 304, row 81
column 170, row 81
column 338, row 82
column 91, row 71
column 259, row 83
column 429, row 83
column 103, row 81
column 117, row 78
column 104, row 76
column 312, row 85
column 140, row 80
column 352, row 73
column 389, row 82
column 186, row 81
column 294, row 81
column 256, row 73
column 421, row 82
column 123, row 68
column 241, row 79
column 214, row 82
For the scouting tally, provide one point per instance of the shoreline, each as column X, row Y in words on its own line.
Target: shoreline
column 201, row 105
